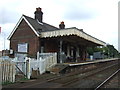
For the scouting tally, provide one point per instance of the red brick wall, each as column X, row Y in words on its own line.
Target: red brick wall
column 24, row 34
column 51, row 45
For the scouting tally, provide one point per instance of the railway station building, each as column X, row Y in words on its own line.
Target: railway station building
column 32, row 35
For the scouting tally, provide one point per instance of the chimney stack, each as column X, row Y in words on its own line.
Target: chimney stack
column 62, row 25
column 38, row 14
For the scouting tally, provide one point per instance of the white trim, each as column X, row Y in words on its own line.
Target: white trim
column 31, row 27
column 39, row 22
column 22, row 17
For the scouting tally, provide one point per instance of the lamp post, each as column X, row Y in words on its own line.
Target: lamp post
column 3, row 34
column 4, row 39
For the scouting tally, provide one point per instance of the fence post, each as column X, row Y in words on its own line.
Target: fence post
column 28, row 68
column 14, row 72
column 38, row 55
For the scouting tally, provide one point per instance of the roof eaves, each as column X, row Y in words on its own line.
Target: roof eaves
column 72, row 31
column 22, row 17
column 31, row 27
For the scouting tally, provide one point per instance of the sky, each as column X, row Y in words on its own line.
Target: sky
column 98, row 18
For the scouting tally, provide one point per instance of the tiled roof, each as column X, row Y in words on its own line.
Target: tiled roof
column 35, row 25
column 40, row 26
column 45, row 30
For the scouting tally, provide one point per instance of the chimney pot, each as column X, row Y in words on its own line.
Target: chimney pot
column 62, row 25
column 38, row 14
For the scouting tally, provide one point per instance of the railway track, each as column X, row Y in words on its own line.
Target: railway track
column 83, row 69
column 107, row 80
column 68, row 80
column 92, row 80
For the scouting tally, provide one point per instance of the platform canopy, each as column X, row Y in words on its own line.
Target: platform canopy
column 72, row 32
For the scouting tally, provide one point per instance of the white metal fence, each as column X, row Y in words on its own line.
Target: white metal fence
column 7, row 71
column 9, row 68
column 43, row 63
column 49, row 58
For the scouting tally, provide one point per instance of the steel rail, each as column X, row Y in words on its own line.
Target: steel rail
column 77, row 73
column 106, row 80
column 76, row 79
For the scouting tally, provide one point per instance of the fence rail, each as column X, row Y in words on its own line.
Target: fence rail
column 43, row 63
column 10, row 68
column 7, row 71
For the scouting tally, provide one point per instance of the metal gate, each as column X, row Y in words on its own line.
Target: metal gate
column 21, row 68
column 20, row 63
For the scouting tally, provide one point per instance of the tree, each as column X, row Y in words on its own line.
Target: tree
column 90, row 50
column 112, row 51
column 108, row 51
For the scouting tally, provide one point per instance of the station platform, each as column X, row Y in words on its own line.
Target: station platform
column 61, row 66
column 90, row 62
column 58, row 68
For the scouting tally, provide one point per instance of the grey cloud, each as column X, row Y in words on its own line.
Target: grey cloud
column 8, row 16
column 78, row 15
column 79, row 11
